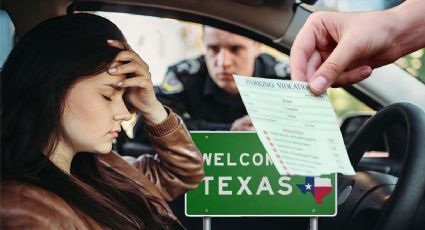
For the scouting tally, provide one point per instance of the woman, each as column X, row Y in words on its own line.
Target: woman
column 66, row 87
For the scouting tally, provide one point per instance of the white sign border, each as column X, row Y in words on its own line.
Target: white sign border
column 214, row 215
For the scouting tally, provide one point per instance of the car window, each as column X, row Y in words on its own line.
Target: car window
column 7, row 34
column 414, row 63
column 344, row 103
column 162, row 42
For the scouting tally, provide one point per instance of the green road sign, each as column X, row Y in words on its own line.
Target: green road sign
column 240, row 180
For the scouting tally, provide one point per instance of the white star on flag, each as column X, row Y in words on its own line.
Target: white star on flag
column 308, row 186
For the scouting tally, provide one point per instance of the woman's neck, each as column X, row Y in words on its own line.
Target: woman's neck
column 62, row 156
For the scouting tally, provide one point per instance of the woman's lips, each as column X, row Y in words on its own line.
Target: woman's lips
column 114, row 133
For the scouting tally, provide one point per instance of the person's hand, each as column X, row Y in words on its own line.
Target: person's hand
column 242, row 124
column 140, row 93
column 339, row 49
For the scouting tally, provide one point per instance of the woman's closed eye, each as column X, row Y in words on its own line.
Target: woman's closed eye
column 107, row 98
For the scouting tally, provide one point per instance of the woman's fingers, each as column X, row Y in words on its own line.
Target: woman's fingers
column 134, row 65
column 139, row 82
column 128, row 54
column 142, row 78
column 140, row 93
column 130, row 68
column 119, row 44
column 116, row 44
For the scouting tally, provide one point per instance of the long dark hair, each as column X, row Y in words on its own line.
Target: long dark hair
column 36, row 77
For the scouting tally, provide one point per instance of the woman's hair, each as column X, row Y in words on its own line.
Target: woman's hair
column 35, row 80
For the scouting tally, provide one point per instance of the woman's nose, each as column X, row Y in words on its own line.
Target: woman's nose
column 122, row 114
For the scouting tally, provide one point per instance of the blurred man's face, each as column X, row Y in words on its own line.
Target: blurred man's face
column 227, row 54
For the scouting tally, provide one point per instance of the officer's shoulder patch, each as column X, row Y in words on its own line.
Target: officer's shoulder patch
column 191, row 66
column 171, row 84
column 281, row 69
column 195, row 65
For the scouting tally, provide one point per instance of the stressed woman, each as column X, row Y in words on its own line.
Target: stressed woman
column 66, row 87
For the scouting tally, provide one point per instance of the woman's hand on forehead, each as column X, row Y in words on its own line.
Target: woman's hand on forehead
column 140, row 93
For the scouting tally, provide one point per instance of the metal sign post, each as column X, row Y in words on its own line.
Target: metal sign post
column 314, row 223
column 206, row 223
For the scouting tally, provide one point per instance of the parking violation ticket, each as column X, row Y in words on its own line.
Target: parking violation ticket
column 299, row 130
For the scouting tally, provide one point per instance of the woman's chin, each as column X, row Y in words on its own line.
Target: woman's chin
column 104, row 149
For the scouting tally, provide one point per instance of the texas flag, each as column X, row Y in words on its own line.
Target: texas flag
column 319, row 187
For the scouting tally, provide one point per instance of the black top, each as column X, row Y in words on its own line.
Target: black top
column 189, row 90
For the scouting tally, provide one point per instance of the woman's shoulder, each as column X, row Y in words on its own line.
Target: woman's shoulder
column 26, row 205
column 24, row 190
column 15, row 193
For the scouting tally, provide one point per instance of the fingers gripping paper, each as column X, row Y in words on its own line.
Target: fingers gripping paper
column 299, row 131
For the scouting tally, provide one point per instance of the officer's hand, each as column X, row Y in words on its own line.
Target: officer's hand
column 140, row 93
column 242, row 124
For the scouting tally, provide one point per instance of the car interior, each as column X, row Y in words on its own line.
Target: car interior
column 388, row 190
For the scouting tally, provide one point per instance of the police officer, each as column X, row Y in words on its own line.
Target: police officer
column 202, row 90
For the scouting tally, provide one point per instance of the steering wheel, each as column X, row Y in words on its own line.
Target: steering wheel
column 400, row 209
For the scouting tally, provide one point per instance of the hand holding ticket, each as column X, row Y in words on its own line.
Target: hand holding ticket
column 299, row 130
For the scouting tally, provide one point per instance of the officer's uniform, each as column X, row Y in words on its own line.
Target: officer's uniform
column 189, row 90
